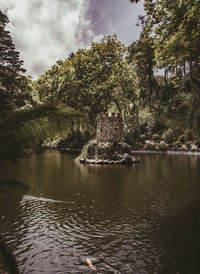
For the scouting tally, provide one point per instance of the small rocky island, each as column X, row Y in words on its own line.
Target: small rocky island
column 108, row 147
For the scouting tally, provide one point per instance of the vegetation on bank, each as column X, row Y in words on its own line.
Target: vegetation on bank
column 42, row 127
column 159, row 111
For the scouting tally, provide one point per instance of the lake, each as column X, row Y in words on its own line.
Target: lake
column 143, row 218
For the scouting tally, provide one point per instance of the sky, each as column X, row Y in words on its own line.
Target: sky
column 45, row 31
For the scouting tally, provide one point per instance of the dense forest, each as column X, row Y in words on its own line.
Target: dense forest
column 154, row 82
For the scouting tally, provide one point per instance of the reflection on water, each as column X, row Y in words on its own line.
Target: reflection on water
column 142, row 218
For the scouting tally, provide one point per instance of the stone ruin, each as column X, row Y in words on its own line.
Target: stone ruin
column 109, row 127
column 108, row 147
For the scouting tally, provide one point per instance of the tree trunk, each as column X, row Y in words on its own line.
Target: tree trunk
column 158, row 102
column 136, row 108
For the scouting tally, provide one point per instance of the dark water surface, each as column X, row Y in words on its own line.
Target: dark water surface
column 143, row 218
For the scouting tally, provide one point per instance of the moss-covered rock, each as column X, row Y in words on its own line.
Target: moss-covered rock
column 107, row 153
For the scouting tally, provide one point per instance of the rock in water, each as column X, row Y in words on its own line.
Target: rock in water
column 108, row 153
column 108, row 148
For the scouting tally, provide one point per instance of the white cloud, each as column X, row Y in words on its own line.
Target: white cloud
column 44, row 30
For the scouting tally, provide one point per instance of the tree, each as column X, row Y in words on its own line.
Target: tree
column 12, row 84
column 103, row 75
column 141, row 54
column 56, row 85
column 91, row 81
column 176, row 26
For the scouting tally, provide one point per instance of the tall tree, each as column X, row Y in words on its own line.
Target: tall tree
column 176, row 26
column 11, row 81
column 141, row 54
column 104, row 74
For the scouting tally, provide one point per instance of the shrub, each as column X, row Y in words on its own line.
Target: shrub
column 143, row 138
column 162, row 147
column 154, row 126
column 183, row 107
column 151, row 146
column 168, row 136
column 132, row 135
column 50, row 143
column 197, row 143
column 177, row 144
column 155, row 137
column 188, row 145
column 137, row 145
column 189, row 134
column 182, row 139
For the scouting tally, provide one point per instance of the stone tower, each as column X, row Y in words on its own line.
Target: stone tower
column 109, row 127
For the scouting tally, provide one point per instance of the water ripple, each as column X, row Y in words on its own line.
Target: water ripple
column 122, row 223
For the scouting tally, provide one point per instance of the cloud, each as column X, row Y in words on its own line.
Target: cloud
column 115, row 16
column 45, row 31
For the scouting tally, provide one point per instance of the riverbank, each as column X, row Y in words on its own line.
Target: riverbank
column 42, row 128
column 77, row 149
column 144, row 151
column 149, row 146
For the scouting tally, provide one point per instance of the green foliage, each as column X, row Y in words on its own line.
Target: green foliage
column 194, row 117
column 156, row 146
column 176, row 27
column 162, row 147
column 141, row 55
column 137, row 145
column 108, row 76
column 92, row 80
column 155, row 137
column 188, row 145
column 155, row 126
column 182, row 139
column 143, row 138
column 145, row 116
column 27, row 130
column 132, row 135
column 14, row 91
column 177, row 144
column 168, row 136
column 197, row 142
column 151, row 146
